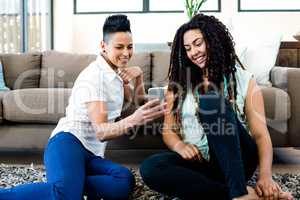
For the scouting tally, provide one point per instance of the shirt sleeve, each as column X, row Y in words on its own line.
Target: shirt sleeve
column 243, row 79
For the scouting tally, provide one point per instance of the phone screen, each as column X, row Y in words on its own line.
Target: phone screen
column 157, row 93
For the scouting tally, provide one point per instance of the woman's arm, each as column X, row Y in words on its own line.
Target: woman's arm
column 172, row 139
column 106, row 131
column 137, row 90
column 257, row 123
column 128, row 92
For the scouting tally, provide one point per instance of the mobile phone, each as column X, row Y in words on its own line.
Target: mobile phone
column 157, row 93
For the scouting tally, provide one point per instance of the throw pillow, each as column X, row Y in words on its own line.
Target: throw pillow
column 240, row 51
column 2, row 82
column 260, row 56
column 240, row 48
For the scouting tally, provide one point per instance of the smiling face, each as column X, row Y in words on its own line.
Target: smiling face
column 119, row 48
column 195, row 47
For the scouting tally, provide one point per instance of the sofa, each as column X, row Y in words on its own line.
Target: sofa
column 40, row 84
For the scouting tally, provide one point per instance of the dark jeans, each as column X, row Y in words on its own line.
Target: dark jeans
column 233, row 159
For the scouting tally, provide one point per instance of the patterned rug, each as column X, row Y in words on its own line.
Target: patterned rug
column 11, row 175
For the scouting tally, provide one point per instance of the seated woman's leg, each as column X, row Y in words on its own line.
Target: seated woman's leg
column 64, row 161
column 28, row 192
column 108, row 180
column 224, row 134
column 170, row 174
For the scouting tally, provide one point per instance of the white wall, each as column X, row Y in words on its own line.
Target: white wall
column 82, row 33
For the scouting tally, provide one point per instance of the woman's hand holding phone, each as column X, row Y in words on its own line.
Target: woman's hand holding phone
column 150, row 111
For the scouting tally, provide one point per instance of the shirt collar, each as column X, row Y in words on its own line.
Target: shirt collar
column 109, row 72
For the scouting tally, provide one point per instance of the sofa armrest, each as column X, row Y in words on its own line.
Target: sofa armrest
column 288, row 79
column 279, row 77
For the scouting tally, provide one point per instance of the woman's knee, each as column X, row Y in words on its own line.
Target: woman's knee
column 129, row 178
column 124, row 186
column 212, row 103
column 126, row 183
column 153, row 167
column 146, row 169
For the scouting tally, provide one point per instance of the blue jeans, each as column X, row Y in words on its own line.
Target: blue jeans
column 233, row 159
column 73, row 171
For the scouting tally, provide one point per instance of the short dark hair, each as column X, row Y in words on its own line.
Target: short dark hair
column 115, row 23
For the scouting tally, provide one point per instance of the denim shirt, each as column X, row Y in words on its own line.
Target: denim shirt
column 192, row 131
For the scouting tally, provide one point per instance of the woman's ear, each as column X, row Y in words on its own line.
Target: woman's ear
column 103, row 46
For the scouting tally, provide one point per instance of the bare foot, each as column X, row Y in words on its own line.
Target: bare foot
column 285, row 196
column 250, row 196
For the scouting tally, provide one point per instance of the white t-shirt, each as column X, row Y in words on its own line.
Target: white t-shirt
column 97, row 82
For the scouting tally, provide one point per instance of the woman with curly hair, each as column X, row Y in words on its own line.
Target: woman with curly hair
column 215, row 128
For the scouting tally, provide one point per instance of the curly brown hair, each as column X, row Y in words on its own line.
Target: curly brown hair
column 221, row 64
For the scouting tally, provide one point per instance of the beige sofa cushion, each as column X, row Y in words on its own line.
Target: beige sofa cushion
column 60, row 70
column 39, row 105
column 160, row 67
column 277, row 104
column 21, row 70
